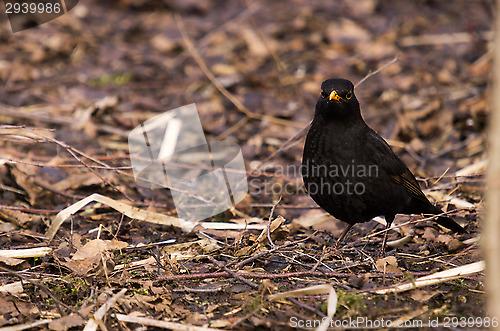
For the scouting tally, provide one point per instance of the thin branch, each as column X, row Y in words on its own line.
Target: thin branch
column 256, row 256
column 225, row 274
column 270, row 221
column 232, row 273
column 44, row 289
column 376, row 71
column 73, row 151
column 203, row 66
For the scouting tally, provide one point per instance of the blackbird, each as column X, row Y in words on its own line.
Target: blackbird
column 351, row 172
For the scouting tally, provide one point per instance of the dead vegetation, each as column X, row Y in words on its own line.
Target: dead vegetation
column 78, row 232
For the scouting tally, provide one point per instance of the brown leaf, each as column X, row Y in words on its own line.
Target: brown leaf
column 66, row 322
column 10, row 261
column 423, row 295
column 387, row 264
column 95, row 258
column 24, row 176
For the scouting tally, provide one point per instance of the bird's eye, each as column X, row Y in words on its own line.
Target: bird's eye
column 323, row 94
column 348, row 95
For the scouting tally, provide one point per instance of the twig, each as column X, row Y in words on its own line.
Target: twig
column 31, row 210
column 289, row 143
column 462, row 252
column 225, row 274
column 376, row 71
column 269, row 223
column 256, row 256
column 199, row 290
column 26, row 326
column 119, row 226
column 279, row 64
column 241, row 319
column 99, row 314
column 46, row 291
column 203, row 66
column 155, row 323
column 31, row 113
column 303, row 305
column 324, row 255
column 241, row 122
column 38, row 164
column 73, row 151
column 267, row 205
column 25, row 253
column 292, row 260
column 232, row 273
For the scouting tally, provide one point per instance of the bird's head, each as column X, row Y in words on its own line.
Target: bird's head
column 337, row 100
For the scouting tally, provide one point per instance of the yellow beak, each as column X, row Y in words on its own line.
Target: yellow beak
column 334, row 96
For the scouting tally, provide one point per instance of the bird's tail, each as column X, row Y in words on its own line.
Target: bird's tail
column 449, row 224
column 445, row 220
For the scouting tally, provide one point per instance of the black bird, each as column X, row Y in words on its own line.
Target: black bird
column 351, row 172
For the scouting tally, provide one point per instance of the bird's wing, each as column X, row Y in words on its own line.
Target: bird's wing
column 408, row 181
column 390, row 163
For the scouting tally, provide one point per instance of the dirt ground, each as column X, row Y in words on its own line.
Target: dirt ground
column 73, row 89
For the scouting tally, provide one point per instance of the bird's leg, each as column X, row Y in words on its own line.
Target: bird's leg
column 342, row 236
column 382, row 251
column 339, row 241
column 388, row 222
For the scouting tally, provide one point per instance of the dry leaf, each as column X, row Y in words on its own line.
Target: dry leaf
column 95, row 258
column 191, row 249
column 387, row 264
column 66, row 322
column 10, row 261
column 24, row 176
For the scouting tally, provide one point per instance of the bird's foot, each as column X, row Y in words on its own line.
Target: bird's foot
column 342, row 236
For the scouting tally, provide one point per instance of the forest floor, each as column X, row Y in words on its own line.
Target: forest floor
column 75, row 87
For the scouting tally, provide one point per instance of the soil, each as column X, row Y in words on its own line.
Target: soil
column 74, row 88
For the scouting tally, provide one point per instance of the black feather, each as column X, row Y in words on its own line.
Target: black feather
column 342, row 152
